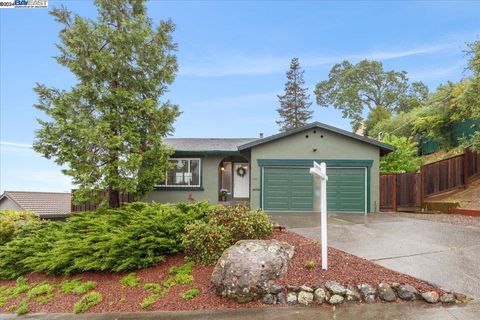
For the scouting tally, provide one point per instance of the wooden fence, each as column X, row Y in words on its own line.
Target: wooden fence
column 411, row 189
column 91, row 206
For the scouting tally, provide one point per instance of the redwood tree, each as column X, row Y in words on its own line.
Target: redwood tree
column 294, row 107
column 108, row 128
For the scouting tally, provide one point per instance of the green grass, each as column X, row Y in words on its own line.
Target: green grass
column 190, row 294
column 87, row 301
column 148, row 301
column 130, row 280
column 76, row 286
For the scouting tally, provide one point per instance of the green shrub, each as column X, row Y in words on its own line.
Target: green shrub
column 130, row 280
column 9, row 293
column 190, row 294
column 153, row 287
column 76, row 286
column 87, row 301
column 135, row 236
column 11, row 221
column 40, row 289
column 205, row 242
column 310, row 264
column 148, row 301
column 241, row 222
column 23, row 308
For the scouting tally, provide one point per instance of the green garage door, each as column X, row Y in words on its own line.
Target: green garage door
column 287, row 189
column 291, row 189
column 346, row 189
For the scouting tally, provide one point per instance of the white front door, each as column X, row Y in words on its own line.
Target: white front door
column 241, row 180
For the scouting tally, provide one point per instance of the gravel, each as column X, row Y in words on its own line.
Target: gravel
column 461, row 220
column 344, row 268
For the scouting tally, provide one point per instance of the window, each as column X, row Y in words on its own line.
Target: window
column 184, row 173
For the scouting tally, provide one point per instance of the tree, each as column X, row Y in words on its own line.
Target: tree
column 108, row 128
column 294, row 107
column 365, row 85
column 403, row 159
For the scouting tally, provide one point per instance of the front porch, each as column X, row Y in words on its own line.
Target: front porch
column 234, row 180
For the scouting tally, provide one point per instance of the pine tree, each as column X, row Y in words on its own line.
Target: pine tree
column 294, row 107
column 108, row 128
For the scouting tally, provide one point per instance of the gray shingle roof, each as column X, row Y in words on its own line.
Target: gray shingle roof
column 45, row 204
column 206, row 144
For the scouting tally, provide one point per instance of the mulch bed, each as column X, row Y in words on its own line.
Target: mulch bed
column 343, row 268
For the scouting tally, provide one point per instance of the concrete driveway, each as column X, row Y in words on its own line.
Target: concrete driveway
column 444, row 254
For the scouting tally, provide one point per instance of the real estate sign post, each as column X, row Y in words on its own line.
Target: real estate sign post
column 319, row 172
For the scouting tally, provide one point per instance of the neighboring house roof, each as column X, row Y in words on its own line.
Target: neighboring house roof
column 210, row 145
column 385, row 148
column 44, row 204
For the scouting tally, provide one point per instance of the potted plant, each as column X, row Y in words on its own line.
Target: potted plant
column 223, row 194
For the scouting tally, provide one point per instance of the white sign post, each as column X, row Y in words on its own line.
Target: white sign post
column 319, row 171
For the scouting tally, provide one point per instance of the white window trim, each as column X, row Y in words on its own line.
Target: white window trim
column 187, row 185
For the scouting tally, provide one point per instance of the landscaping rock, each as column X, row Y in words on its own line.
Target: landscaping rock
column 269, row 299
column 407, row 292
column 293, row 288
column 305, row 288
column 335, row 288
column 245, row 271
column 276, row 289
column 320, row 295
column 430, row 297
column 368, row 292
column 281, row 298
column 386, row 293
column 352, row 294
column 460, row 297
column 447, row 298
column 336, row 299
column 305, row 297
column 292, row 298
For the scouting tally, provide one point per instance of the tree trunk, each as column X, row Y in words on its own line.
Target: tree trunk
column 113, row 198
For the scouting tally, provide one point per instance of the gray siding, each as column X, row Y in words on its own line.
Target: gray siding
column 7, row 204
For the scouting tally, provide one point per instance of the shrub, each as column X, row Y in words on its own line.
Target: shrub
column 40, row 289
column 190, row 294
column 130, row 280
column 148, row 301
column 135, row 236
column 310, row 264
column 76, row 286
column 87, row 301
column 23, row 308
column 11, row 221
column 205, row 241
column 241, row 222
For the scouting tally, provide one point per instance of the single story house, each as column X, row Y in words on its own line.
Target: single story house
column 272, row 173
column 47, row 205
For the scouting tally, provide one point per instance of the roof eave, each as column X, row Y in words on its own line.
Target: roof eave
column 383, row 146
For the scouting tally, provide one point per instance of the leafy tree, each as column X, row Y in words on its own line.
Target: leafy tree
column 365, row 85
column 403, row 159
column 375, row 116
column 401, row 125
column 108, row 128
column 294, row 107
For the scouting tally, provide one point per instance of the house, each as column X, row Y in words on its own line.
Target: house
column 50, row 205
column 272, row 173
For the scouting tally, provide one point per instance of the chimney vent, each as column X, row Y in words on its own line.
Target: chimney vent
column 261, row 135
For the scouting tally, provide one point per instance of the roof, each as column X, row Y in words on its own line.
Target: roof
column 385, row 148
column 44, row 204
column 211, row 145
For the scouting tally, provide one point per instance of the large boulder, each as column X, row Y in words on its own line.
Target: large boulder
column 245, row 271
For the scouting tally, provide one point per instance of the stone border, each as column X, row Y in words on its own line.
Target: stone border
column 334, row 293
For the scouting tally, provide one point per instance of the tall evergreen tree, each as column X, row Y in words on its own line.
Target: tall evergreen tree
column 294, row 107
column 108, row 128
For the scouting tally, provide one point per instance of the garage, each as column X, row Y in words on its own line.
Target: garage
column 291, row 189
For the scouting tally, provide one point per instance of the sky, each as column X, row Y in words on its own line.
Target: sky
column 232, row 58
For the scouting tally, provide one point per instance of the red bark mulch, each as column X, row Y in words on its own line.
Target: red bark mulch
column 343, row 268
